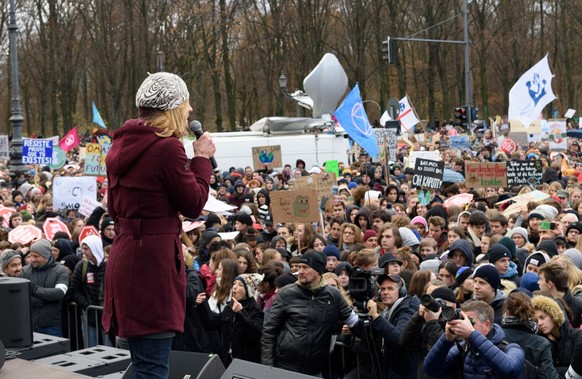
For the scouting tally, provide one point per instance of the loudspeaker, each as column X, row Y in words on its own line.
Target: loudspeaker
column 15, row 318
column 197, row 365
column 240, row 369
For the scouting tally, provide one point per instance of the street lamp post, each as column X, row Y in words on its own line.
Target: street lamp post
column 15, row 165
column 283, row 88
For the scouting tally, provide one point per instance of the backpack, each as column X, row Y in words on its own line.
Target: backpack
column 530, row 371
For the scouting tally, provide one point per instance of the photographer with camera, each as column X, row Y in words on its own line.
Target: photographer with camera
column 478, row 354
column 427, row 325
column 388, row 325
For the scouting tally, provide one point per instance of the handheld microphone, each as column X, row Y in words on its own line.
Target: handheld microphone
column 196, row 128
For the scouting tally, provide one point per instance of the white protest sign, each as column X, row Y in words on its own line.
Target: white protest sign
column 70, row 192
column 4, row 147
column 88, row 206
column 434, row 155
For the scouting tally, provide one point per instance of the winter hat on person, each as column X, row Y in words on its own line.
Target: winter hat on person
column 315, row 260
column 107, row 221
column 331, row 251
column 212, row 219
column 42, row 247
column 369, row 234
column 462, row 274
column 547, row 210
column 488, row 273
column 529, row 281
column 206, row 237
column 163, row 91
column 284, row 280
column 536, row 213
column 496, row 252
column 549, row 305
column 575, row 256
column 244, row 218
column 522, row 232
column 250, row 282
column 549, row 247
column 419, row 220
column 70, row 261
column 95, row 244
column 8, row 256
column 408, row 237
column 574, row 225
column 344, row 266
column 537, row 259
column 431, row 265
column 444, row 293
column 387, row 258
column 509, row 244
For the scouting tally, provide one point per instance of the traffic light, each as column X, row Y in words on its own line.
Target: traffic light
column 461, row 115
column 388, row 50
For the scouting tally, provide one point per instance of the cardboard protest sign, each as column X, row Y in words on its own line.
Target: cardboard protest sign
column 387, row 139
column 37, row 151
column 486, row 174
column 69, row 192
column 558, row 139
column 267, row 156
column 461, row 142
column 428, row 173
column 526, row 197
column 322, row 183
column 95, row 160
column 434, row 155
column 524, row 172
column 299, row 205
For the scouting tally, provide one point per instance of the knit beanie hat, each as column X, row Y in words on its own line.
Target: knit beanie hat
column 488, row 273
column 369, row 234
column 70, row 261
column 42, row 247
column 244, row 218
column 7, row 256
column 547, row 210
column 331, row 251
column 462, row 274
column 536, row 213
column 510, row 245
column 207, row 236
column 522, row 232
column 431, row 265
column 549, row 305
column 163, row 91
column 444, row 293
column 529, row 281
column 285, row 279
column 344, row 266
column 107, row 221
column 250, row 282
column 408, row 237
column 549, row 247
column 315, row 260
column 537, row 259
column 496, row 252
column 419, row 220
column 575, row 225
column 575, row 256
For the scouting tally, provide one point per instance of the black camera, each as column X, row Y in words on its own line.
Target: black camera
column 433, row 305
column 361, row 286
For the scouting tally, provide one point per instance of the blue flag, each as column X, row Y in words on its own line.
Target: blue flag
column 97, row 117
column 353, row 118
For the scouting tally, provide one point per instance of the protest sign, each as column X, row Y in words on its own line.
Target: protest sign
column 387, row 139
column 70, row 191
column 432, row 155
column 508, row 146
column 460, row 142
column 95, row 160
column 59, row 158
column 24, row 234
column 87, row 231
column 4, row 147
column 267, row 156
column 558, row 139
column 88, row 206
column 524, row 172
column 526, row 197
column 332, row 166
column 486, row 174
column 52, row 225
column 37, row 151
column 298, row 205
column 428, row 174
column 321, row 183
column 5, row 213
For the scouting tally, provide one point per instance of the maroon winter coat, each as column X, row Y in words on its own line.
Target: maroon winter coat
column 150, row 181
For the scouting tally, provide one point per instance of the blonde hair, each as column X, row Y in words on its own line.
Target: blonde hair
column 170, row 123
column 332, row 276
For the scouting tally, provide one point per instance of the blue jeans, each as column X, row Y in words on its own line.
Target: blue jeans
column 56, row 330
column 150, row 357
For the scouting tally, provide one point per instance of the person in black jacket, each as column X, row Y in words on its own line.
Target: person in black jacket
column 240, row 323
column 298, row 332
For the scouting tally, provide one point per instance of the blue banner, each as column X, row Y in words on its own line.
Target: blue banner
column 37, row 151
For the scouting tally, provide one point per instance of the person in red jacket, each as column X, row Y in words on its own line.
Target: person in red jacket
column 151, row 182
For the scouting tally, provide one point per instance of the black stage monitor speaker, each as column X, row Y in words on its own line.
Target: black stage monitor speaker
column 15, row 317
column 240, row 369
column 197, row 365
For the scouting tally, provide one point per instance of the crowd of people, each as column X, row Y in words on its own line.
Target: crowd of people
column 391, row 284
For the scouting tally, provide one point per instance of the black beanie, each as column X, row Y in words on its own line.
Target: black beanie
column 444, row 293
column 105, row 223
column 549, row 247
column 244, row 218
column 315, row 260
column 498, row 251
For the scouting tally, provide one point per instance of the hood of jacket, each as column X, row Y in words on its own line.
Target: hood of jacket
column 265, row 192
column 128, row 144
column 465, row 247
column 349, row 210
column 511, row 271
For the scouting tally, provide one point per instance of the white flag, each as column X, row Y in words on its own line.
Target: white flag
column 385, row 118
column 407, row 117
column 531, row 93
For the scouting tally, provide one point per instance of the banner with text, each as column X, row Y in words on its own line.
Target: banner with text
column 321, row 183
column 300, row 205
column 460, row 142
column 37, row 151
column 486, row 175
column 267, row 156
column 428, row 173
column 4, row 147
column 524, row 172
column 69, row 192
column 386, row 140
column 95, row 160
